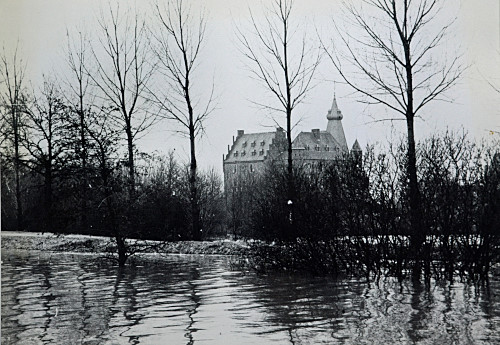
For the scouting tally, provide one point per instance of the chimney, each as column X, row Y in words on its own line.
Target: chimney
column 240, row 133
column 280, row 134
column 315, row 133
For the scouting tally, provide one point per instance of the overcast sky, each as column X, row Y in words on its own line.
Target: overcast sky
column 40, row 28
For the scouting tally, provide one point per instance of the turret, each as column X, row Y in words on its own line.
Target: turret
column 334, row 126
column 356, row 152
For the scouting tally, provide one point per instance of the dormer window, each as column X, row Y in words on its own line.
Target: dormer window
column 307, row 147
column 236, row 153
column 261, row 152
column 253, row 144
column 327, row 148
column 262, row 143
column 243, row 153
column 254, row 153
column 316, row 148
column 244, row 144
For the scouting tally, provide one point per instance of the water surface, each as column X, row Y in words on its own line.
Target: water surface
column 53, row 298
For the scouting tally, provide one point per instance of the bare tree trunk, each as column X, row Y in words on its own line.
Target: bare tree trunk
column 195, row 208
column 131, row 163
column 417, row 232
column 83, row 158
column 17, row 171
column 290, row 176
column 122, row 250
column 48, row 200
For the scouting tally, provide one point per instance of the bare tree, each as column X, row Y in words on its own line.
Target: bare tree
column 179, row 39
column 282, row 62
column 47, row 142
column 79, row 83
column 390, row 58
column 13, row 121
column 124, row 67
column 104, row 138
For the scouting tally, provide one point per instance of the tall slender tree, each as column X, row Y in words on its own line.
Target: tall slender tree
column 124, row 68
column 283, row 62
column 13, row 102
column 79, row 100
column 390, row 56
column 47, row 142
column 179, row 39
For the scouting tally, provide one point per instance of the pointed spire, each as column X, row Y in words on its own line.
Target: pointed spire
column 334, row 126
column 334, row 113
column 356, row 147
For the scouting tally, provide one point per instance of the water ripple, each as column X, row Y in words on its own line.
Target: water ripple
column 78, row 299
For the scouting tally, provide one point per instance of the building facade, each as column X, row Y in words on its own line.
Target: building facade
column 250, row 152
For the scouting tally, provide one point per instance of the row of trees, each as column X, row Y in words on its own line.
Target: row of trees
column 68, row 133
column 354, row 215
column 159, row 211
column 128, row 77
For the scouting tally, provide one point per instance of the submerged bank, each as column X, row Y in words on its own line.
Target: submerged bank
column 351, row 256
column 99, row 244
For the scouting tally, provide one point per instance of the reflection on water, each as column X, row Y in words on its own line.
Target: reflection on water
column 79, row 299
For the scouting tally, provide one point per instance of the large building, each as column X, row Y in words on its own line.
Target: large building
column 250, row 152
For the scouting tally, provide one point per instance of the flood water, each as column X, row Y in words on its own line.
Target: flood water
column 53, row 298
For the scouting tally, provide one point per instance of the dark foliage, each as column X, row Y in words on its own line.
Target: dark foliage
column 353, row 215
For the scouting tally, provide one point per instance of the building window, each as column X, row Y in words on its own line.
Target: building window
column 254, row 153
column 234, row 170
column 307, row 147
column 316, row 148
column 262, row 143
column 253, row 144
column 327, row 148
column 251, row 168
column 236, row 153
column 243, row 153
column 261, row 152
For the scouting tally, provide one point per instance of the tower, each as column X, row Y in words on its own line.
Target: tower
column 334, row 126
column 357, row 153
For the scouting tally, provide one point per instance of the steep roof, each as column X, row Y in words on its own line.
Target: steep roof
column 316, row 145
column 318, row 141
column 334, row 113
column 250, row 147
column 356, row 147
